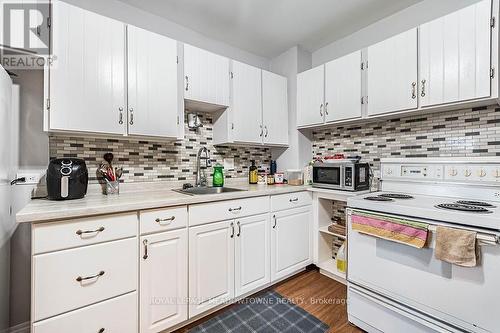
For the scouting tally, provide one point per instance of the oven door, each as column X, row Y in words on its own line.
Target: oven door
column 464, row 297
column 328, row 176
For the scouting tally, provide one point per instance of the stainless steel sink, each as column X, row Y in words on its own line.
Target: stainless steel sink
column 208, row 190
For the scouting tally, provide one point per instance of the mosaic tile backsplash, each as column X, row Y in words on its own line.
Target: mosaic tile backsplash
column 144, row 160
column 469, row 132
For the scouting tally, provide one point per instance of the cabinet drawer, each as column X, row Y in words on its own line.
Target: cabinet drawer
column 62, row 281
column 290, row 200
column 115, row 315
column 63, row 235
column 163, row 219
column 226, row 210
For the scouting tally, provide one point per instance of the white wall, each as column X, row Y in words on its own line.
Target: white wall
column 406, row 19
column 132, row 15
column 299, row 153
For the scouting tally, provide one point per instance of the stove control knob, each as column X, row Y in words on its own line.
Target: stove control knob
column 468, row 173
column 481, row 173
column 453, row 172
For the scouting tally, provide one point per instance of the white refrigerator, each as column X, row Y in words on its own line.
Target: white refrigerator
column 8, row 165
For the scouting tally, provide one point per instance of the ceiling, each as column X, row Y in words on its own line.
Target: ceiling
column 270, row 27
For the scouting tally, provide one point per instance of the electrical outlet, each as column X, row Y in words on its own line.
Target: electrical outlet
column 229, row 163
column 31, row 178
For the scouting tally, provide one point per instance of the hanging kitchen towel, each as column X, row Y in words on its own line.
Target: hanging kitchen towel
column 456, row 246
column 391, row 228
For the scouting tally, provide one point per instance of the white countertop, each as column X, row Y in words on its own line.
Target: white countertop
column 43, row 210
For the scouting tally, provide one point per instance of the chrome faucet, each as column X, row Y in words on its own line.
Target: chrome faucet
column 201, row 177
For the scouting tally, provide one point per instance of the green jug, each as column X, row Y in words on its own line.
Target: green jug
column 218, row 180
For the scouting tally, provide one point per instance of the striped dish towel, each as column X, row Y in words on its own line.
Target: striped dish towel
column 391, row 228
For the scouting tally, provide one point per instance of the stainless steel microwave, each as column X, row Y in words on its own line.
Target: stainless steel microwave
column 348, row 175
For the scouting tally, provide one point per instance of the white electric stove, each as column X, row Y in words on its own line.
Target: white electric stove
column 398, row 288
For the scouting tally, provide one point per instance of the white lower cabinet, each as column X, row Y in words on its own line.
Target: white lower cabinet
column 290, row 241
column 163, row 280
column 252, row 253
column 117, row 315
column 211, row 266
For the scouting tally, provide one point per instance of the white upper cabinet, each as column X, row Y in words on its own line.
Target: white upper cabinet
column 311, row 96
column 206, row 79
column 164, row 280
column 152, row 84
column 274, row 108
column 87, row 79
column 392, row 74
column 455, row 56
column 247, row 103
column 343, row 88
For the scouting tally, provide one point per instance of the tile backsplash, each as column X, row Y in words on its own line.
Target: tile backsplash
column 469, row 132
column 145, row 160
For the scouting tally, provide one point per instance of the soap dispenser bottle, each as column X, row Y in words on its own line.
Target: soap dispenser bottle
column 218, row 178
column 253, row 173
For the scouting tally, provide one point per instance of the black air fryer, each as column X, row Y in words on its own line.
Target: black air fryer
column 67, row 178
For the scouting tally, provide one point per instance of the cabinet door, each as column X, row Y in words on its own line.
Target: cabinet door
column 247, row 103
column 311, row 96
column 211, row 266
column 290, row 241
column 87, row 79
column 455, row 53
column 275, row 108
column 152, row 84
column 206, row 76
column 164, row 278
column 343, row 88
column 252, row 253
column 392, row 74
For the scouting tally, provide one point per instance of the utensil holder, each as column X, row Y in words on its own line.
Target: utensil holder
column 112, row 187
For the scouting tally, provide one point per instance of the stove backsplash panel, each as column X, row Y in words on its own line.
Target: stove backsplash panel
column 145, row 160
column 469, row 132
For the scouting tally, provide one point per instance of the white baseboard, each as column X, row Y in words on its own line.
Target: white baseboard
column 21, row 328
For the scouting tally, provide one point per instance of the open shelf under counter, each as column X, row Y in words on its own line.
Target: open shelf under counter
column 329, row 268
column 335, row 194
column 324, row 229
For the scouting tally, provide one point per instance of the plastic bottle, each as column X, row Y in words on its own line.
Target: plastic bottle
column 341, row 259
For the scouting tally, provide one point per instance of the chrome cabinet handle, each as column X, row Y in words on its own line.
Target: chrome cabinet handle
column 294, row 200
column 261, row 131
column 131, row 110
column 414, row 90
column 187, row 83
column 235, row 209
column 168, row 219
column 275, row 222
column 239, row 229
column 145, row 243
column 326, row 108
column 82, row 232
column 267, row 131
column 321, row 110
column 98, row 275
column 101, row 330
column 232, row 229
column 120, row 119
column 423, row 88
